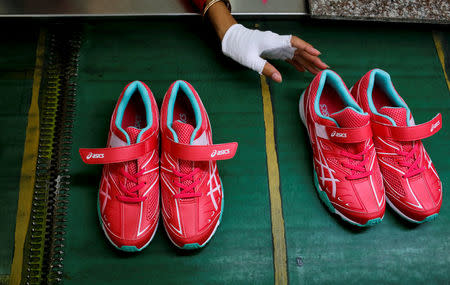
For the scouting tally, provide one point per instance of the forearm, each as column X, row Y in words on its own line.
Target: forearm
column 221, row 18
column 252, row 48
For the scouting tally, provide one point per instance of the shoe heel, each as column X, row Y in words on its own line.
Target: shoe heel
column 301, row 108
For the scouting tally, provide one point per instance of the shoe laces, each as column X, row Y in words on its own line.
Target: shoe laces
column 186, row 189
column 410, row 161
column 131, row 193
column 359, row 169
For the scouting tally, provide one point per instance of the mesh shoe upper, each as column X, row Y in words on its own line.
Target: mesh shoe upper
column 412, row 184
column 347, row 170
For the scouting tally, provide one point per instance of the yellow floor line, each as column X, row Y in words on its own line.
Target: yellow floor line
column 27, row 175
column 440, row 51
column 276, row 211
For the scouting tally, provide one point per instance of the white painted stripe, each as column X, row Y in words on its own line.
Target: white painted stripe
column 150, row 159
column 388, row 143
column 385, row 163
column 151, row 170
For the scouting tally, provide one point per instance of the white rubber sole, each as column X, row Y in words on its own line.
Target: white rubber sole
column 301, row 108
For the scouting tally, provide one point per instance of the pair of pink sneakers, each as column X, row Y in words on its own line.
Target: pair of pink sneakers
column 367, row 150
column 191, row 189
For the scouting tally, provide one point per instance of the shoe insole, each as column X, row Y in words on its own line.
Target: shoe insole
column 330, row 101
column 379, row 97
column 135, row 113
column 183, row 110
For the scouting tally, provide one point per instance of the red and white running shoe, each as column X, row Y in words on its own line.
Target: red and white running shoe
column 128, row 200
column 413, row 188
column 346, row 172
column 191, row 189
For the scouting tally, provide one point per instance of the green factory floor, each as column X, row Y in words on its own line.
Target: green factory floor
column 17, row 61
column 320, row 248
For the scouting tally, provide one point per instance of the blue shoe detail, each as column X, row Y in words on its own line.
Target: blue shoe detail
column 131, row 89
column 383, row 80
column 191, row 246
column 127, row 248
column 372, row 222
column 430, row 218
column 181, row 85
column 427, row 219
column 331, row 78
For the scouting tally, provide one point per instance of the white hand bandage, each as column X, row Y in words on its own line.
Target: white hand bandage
column 249, row 46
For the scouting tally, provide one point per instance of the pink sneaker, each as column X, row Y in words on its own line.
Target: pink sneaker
column 413, row 187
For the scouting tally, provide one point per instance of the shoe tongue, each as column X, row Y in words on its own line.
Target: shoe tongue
column 184, row 131
column 398, row 114
column 132, row 166
column 133, row 133
column 350, row 118
column 400, row 117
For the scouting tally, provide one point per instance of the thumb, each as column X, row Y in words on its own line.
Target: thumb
column 271, row 72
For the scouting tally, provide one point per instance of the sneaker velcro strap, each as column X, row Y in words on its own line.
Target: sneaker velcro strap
column 344, row 135
column 411, row 133
column 118, row 154
column 199, row 152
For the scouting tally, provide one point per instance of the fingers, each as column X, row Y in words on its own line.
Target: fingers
column 302, row 64
column 307, row 65
column 301, row 45
column 314, row 60
column 306, row 56
column 297, row 66
column 270, row 71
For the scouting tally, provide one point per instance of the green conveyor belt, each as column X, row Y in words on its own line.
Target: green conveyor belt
column 116, row 53
column 321, row 249
column 394, row 251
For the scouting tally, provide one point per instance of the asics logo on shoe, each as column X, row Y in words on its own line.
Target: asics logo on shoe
column 338, row 135
column 183, row 118
column 137, row 121
column 220, row 152
column 95, row 155
column 324, row 110
column 434, row 126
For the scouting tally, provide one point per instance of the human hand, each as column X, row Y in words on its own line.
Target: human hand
column 251, row 48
